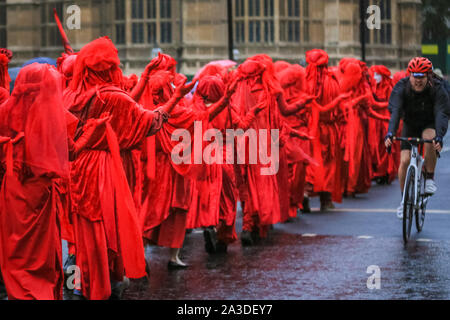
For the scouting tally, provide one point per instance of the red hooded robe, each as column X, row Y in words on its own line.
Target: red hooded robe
column 167, row 187
column 324, row 127
column 30, row 240
column 293, row 80
column 107, row 233
column 266, row 197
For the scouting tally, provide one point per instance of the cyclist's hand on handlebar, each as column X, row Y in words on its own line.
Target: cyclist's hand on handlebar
column 388, row 140
column 437, row 144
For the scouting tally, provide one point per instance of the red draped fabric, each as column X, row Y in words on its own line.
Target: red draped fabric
column 205, row 207
column 166, row 191
column 324, row 127
column 4, row 76
column 384, row 164
column 357, row 161
column 107, row 233
column 268, row 196
column 65, row 65
column 30, row 236
column 293, row 80
column 4, row 95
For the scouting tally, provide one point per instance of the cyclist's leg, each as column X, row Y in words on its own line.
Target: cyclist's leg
column 405, row 157
column 430, row 161
column 430, row 154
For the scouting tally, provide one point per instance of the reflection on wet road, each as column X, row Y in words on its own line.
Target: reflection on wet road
column 291, row 266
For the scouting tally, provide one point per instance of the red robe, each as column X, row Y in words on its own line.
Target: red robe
column 382, row 162
column 167, row 191
column 357, row 162
column 205, row 205
column 266, row 196
column 325, row 145
column 226, row 230
column 293, row 78
column 30, row 236
column 214, row 198
column 107, row 233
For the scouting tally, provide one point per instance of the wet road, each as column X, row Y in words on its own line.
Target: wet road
column 320, row 256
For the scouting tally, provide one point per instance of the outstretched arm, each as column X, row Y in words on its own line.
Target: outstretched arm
column 373, row 114
column 332, row 104
column 245, row 122
column 376, row 105
column 357, row 100
column 299, row 134
column 289, row 109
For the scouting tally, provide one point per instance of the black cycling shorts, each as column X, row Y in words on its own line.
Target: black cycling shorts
column 416, row 132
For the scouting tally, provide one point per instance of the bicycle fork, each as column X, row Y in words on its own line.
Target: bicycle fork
column 416, row 164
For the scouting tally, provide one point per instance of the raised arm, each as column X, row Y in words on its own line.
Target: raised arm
column 332, row 104
column 376, row 105
column 373, row 114
column 137, row 91
column 180, row 92
column 289, row 109
column 245, row 122
column 217, row 107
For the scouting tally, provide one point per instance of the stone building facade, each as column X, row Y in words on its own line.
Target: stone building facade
column 196, row 31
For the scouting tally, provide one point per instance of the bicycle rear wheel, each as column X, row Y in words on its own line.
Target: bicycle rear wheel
column 423, row 199
column 408, row 205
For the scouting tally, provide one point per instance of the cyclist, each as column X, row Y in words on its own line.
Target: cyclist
column 422, row 101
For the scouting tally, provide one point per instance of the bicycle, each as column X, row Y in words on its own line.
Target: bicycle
column 414, row 197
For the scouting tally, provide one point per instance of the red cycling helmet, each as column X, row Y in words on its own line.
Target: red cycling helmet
column 419, row 66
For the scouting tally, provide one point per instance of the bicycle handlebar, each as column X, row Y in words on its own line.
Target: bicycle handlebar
column 412, row 140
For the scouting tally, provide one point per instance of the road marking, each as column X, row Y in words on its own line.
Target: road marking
column 385, row 210
column 365, row 237
column 309, row 235
column 424, row 240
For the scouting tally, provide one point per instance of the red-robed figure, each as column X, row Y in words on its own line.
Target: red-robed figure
column 324, row 128
column 385, row 166
column 264, row 184
column 107, row 234
column 30, row 236
column 357, row 111
column 215, row 195
column 293, row 81
column 4, row 76
column 167, row 185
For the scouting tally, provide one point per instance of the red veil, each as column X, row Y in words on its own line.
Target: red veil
column 4, row 76
column 35, row 108
column 97, row 63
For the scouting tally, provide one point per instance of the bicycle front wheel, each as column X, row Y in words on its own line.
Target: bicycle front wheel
column 423, row 199
column 408, row 204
